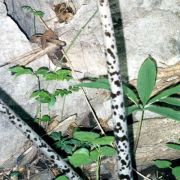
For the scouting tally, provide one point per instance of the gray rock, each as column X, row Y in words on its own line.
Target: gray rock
column 150, row 27
column 3, row 11
column 12, row 141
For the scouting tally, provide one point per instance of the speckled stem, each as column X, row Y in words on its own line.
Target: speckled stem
column 118, row 109
column 56, row 160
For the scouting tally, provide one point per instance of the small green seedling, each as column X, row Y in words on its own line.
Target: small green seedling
column 35, row 14
column 43, row 96
column 98, row 148
column 84, row 148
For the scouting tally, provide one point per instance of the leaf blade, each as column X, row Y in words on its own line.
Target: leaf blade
column 146, row 79
column 164, row 111
column 130, row 94
column 165, row 93
column 162, row 163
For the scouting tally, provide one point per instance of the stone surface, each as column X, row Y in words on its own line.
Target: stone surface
column 12, row 142
column 3, row 11
column 150, row 27
column 152, row 144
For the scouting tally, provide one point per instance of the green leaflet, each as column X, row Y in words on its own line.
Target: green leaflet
column 171, row 100
column 162, row 163
column 165, row 93
column 131, row 109
column 164, row 111
column 146, row 79
column 101, row 83
column 173, row 146
column 176, row 172
column 20, row 70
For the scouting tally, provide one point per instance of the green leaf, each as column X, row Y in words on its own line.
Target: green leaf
column 106, row 140
column 38, row 13
column 44, row 118
column 50, row 76
column 101, row 83
column 146, row 79
column 176, row 172
column 66, row 147
column 164, row 111
column 20, row 70
column 14, row 174
column 102, row 151
column 61, row 178
column 52, row 101
column 162, row 163
column 130, row 94
column 173, row 146
column 56, row 136
column 63, row 74
column 94, row 155
column 80, row 157
column 131, row 109
column 42, row 71
column 62, row 92
column 42, row 96
column 165, row 93
column 85, row 136
column 73, row 88
column 171, row 100
column 28, row 8
column 107, row 151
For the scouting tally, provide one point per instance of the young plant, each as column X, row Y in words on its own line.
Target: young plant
column 43, row 96
column 162, row 164
column 84, row 148
column 35, row 14
column 99, row 146
column 161, row 103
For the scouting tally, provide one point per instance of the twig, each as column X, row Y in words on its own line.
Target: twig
column 24, row 56
column 141, row 174
column 84, row 92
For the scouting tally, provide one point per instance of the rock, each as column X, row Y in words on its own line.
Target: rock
column 12, row 141
column 152, row 144
column 3, row 11
column 150, row 27
column 46, row 174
